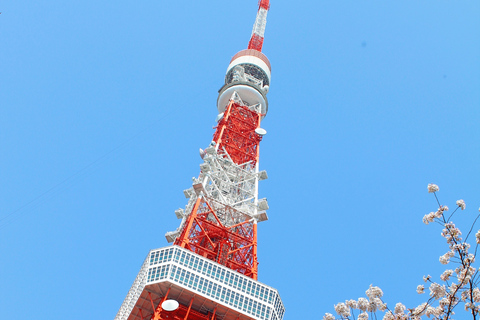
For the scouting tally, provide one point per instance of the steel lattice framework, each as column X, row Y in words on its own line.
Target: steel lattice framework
column 236, row 133
column 222, row 224
column 233, row 246
column 211, row 271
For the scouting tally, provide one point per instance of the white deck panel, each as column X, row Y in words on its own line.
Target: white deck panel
column 213, row 285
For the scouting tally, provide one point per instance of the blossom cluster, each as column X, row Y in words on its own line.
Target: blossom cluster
column 458, row 284
column 363, row 305
column 432, row 188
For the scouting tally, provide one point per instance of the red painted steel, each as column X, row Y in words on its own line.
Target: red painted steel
column 265, row 4
column 256, row 42
column 182, row 313
column 236, row 133
column 232, row 246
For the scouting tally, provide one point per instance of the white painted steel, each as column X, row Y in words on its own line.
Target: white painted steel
column 250, row 96
column 225, row 184
column 134, row 293
column 260, row 23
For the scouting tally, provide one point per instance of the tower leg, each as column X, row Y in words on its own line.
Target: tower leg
column 158, row 310
column 189, row 308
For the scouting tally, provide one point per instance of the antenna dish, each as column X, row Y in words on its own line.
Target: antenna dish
column 202, row 153
column 260, row 131
column 219, row 117
column 170, row 305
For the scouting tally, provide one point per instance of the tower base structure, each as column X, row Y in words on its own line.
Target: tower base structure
column 204, row 290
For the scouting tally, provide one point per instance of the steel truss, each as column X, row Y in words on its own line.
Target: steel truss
column 220, row 219
column 236, row 133
column 181, row 313
column 233, row 246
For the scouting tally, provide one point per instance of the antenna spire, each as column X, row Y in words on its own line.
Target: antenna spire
column 256, row 41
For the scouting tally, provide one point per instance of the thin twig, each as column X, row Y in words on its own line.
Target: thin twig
column 438, row 202
column 472, row 226
column 452, row 214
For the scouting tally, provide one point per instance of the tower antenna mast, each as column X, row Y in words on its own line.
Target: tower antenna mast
column 258, row 32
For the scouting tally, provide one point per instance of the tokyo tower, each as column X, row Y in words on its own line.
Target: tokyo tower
column 210, row 271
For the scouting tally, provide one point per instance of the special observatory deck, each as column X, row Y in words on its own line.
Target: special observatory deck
column 210, row 284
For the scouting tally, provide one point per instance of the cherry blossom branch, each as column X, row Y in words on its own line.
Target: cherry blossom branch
column 463, row 287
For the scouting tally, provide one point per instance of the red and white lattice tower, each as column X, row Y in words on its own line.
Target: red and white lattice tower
column 210, row 272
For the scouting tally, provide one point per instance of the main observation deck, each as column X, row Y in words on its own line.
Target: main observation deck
column 212, row 286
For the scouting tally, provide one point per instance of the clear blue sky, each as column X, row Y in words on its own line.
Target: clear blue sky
column 104, row 105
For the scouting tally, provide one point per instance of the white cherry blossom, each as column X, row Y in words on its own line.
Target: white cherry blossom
column 374, row 292
column 363, row 316
column 420, row 289
column 446, row 275
column 328, row 316
column 437, row 291
column 388, row 316
column 432, row 188
column 399, row 308
column 362, row 304
column 351, row 304
column 342, row 310
column 476, row 295
column 421, row 309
